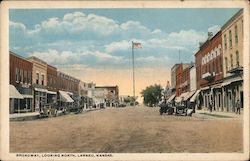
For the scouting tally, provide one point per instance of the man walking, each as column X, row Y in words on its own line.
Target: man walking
column 238, row 107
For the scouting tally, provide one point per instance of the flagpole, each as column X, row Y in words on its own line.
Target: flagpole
column 133, row 60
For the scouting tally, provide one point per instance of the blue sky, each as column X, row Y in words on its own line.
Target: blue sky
column 90, row 40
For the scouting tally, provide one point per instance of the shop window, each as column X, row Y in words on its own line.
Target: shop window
column 37, row 78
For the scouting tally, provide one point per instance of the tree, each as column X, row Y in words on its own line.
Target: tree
column 152, row 95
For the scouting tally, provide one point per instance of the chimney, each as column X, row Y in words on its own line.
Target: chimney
column 209, row 35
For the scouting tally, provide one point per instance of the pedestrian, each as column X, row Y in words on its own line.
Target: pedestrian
column 210, row 106
column 238, row 107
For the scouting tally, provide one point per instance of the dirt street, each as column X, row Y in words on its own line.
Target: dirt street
column 127, row 130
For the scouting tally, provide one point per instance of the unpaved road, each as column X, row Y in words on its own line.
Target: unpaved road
column 127, row 130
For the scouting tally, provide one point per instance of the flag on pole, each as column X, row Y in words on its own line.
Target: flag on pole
column 136, row 45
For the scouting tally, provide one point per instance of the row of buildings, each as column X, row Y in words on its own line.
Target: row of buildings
column 216, row 77
column 35, row 84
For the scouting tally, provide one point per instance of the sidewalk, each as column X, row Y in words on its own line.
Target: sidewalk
column 35, row 115
column 219, row 114
column 24, row 116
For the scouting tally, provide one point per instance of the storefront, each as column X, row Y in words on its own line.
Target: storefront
column 15, row 98
column 171, row 100
column 51, row 97
column 40, row 95
column 232, row 91
column 180, row 100
column 64, row 100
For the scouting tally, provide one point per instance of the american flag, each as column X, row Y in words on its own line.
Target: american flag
column 137, row 45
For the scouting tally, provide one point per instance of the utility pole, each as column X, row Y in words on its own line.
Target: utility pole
column 133, row 60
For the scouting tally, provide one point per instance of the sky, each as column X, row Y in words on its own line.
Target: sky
column 94, row 45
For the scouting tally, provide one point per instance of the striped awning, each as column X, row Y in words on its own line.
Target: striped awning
column 41, row 90
column 192, row 99
column 14, row 93
column 171, row 98
column 181, row 97
column 27, row 96
column 64, row 97
column 51, row 92
column 190, row 94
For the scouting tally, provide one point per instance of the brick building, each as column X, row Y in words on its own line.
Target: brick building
column 51, row 84
column 182, row 76
column 20, row 76
column 209, row 71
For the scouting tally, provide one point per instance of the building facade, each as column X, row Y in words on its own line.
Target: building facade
column 39, row 82
column 112, row 95
column 21, row 79
column 192, row 77
column 232, row 39
column 209, row 72
column 182, row 75
column 51, row 84
column 173, row 75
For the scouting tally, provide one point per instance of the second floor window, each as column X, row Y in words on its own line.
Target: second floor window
column 25, row 75
column 226, row 63
column 37, row 78
column 236, row 34
column 237, row 59
column 42, row 79
column 17, row 74
column 230, row 38
column 225, row 41
column 29, row 77
column 231, row 56
column 21, row 75
column 216, row 64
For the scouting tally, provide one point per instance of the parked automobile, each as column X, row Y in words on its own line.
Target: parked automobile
column 102, row 105
column 122, row 105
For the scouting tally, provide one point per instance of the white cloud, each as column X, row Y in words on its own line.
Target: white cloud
column 52, row 56
column 114, row 46
column 17, row 25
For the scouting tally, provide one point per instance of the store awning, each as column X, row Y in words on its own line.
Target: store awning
column 14, row 93
column 190, row 94
column 171, row 98
column 192, row 99
column 41, row 90
column 70, row 93
column 51, row 92
column 204, row 88
column 181, row 97
column 231, row 81
column 27, row 96
column 65, row 97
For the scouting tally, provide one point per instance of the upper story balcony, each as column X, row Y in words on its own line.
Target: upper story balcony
column 208, row 76
column 235, row 69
